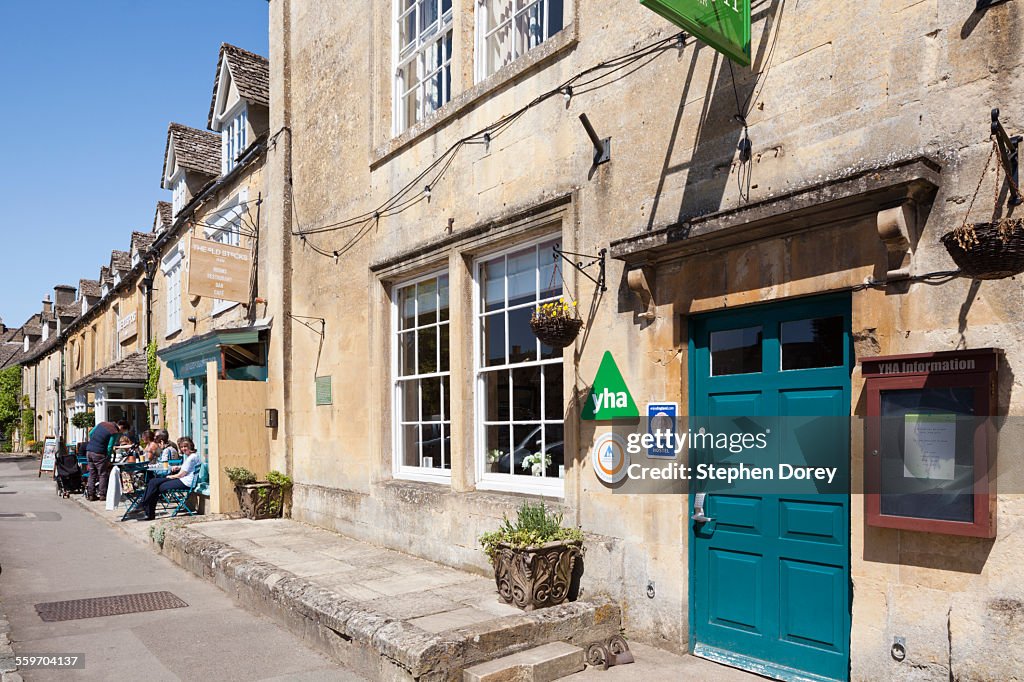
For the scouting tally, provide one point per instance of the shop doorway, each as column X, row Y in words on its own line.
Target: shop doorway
column 770, row 573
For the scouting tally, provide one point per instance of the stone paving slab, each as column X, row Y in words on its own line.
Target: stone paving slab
column 384, row 614
column 402, row 586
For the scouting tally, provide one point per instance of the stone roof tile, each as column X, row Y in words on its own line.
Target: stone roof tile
column 194, row 150
column 250, row 73
column 89, row 288
column 130, row 369
column 164, row 217
column 120, row 261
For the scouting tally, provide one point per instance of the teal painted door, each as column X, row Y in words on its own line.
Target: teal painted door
column 770, row 574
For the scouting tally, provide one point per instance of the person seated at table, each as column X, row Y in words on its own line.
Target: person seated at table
column 149, row 447
column 169, row 450
column 126, row 450
column 180, row 478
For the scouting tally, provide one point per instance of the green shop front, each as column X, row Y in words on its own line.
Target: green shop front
column 220, row 394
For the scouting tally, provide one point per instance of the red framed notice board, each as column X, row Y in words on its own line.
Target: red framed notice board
column 930, row 441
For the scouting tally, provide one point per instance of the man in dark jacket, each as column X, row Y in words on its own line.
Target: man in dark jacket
column 98, row 450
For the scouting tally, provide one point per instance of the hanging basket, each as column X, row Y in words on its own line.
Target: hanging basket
column 557, row 332
column 988, row 250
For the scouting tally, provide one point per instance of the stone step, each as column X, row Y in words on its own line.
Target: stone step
column 540, row 664
column 368, row 640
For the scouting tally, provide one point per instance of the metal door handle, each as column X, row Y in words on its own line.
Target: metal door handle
column 698, row 509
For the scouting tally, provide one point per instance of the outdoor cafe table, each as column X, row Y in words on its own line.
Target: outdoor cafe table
column 141, row 473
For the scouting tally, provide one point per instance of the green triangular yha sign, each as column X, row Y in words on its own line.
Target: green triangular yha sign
column 609, row 397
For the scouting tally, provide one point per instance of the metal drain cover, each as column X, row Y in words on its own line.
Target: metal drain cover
column 108, row 606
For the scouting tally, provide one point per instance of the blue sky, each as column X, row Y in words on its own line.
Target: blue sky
column 86, row 92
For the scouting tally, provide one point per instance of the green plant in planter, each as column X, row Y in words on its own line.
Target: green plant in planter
column 273, row 499
column 534, row 526
column 240, row 475
column 537, row 561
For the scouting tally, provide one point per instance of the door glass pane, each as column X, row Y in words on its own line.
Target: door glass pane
column 736, row 351
column 812, row 343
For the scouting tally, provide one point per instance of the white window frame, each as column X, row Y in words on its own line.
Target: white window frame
column 483, row 68
column 417, row 51
column 226, row 228
column 172, row 266
column 233, row 136
column 517, row 483
column 400, row 469
column 178, row 193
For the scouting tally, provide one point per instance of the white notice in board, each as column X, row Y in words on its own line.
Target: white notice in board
column 930, row 446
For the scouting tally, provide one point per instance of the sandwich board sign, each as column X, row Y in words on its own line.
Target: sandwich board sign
column 49, row 460
column 609, row 397
column 722, row 24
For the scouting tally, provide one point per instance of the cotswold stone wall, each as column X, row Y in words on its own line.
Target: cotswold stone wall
column 836, row 89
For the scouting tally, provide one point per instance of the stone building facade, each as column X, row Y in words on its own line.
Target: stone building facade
column 428, row 162
column 213, row 352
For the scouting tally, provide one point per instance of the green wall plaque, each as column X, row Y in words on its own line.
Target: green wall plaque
column 722, row 24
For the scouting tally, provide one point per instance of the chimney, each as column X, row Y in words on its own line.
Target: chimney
column 3, row 327
column 47, row 309
column 63, row 295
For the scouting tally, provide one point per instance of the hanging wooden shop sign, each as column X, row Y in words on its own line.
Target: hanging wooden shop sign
column 218, row 270
column 722, row 24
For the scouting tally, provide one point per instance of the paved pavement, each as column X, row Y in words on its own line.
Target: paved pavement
column 61, row 551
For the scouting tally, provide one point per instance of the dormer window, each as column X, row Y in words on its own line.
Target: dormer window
column 85, row 306
column 233, row 140
column 105, row 290
column 178, row 193
column 26, row 345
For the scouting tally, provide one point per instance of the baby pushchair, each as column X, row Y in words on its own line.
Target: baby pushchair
column 68, row 474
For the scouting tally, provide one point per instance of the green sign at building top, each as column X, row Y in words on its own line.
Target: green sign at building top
column 609, row 397
column 722, row 24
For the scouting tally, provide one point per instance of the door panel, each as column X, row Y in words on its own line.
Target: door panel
column 770, row 585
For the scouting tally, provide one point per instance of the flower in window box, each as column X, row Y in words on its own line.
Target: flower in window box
column 537, row 462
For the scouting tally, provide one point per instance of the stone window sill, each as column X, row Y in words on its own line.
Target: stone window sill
column 532, row 61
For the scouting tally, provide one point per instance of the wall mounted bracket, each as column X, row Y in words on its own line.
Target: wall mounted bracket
column 640, row 281
column 602, row 148
column 598, row 260
column 1009, row 156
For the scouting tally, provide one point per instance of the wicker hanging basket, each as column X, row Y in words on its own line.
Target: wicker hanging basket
column 988, row 250
column 992, row 250
column 557, row 332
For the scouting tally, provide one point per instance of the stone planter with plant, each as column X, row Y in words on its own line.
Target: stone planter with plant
column 537, row 561
column 260, row 499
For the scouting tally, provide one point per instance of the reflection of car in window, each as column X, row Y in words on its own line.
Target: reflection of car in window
column 529, row 445
column 432, row 446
